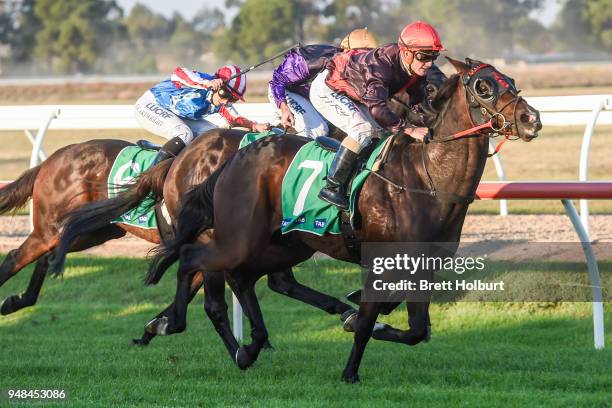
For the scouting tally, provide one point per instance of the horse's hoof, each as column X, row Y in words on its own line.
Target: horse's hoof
column 378, row 327
column 9, row 305
column 348, row 320
column 140, row 342
column 158, row 326
column 243, row 360
column 350, row 378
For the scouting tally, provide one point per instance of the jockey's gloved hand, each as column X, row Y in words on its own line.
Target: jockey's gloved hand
column 261, row 127
column 287, row 118
column 215, row 84
column 418, row 133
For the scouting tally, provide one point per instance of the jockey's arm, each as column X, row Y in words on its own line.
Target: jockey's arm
column 235, row 120
column 376, row 99
column 291, row 71
column 193, row 79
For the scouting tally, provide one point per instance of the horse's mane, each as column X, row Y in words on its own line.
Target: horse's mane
column 445, row 92
column 441, row 101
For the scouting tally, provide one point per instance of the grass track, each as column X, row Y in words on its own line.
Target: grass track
column 77, row 338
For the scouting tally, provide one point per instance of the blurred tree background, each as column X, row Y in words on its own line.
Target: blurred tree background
column 96, row 36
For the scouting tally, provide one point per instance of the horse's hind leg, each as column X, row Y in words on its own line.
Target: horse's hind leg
column 14, row 303
column 30, row 250
column 216, row 310
column 158, row 324
column 245, row 292
column 196, row 257
column 175, row 318
column 33, row 247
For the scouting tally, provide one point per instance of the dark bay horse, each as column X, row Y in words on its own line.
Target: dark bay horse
column 76, row 176
column 191, row 167
column 243, row 202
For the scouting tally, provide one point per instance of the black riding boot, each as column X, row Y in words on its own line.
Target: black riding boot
column 340, row 172
column 170, row 149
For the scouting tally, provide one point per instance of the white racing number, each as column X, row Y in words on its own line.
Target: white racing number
column 122, row 179
column 317, row 167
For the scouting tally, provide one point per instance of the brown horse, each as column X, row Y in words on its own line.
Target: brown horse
column 76, row 176
column 438, row 181
column 198, row 161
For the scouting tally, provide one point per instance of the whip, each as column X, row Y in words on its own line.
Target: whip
column 275, row 56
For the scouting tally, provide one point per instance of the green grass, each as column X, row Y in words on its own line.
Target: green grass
column 495, row 354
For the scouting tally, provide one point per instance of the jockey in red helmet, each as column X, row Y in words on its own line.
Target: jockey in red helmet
column 182, row 107
column 352, row 93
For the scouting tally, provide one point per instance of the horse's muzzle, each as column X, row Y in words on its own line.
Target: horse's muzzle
column 530, row 124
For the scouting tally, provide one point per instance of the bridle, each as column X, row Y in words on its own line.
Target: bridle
column 481, row 96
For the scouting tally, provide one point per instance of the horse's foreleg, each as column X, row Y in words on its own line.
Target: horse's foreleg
column 418, row 322
column 150, row 328
column 284, row 282
column 16, row 302
column 366, row 319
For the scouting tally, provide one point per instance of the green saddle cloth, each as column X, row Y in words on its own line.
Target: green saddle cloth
column 129, row 164
column 133, row 161
column 249, row 138
column 302, row 209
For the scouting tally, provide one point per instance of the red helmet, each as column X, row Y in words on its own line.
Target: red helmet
column 420, row 36
column 237, row 85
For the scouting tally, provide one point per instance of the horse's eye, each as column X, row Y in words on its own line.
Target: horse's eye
column 483, row 88
column 431, row 90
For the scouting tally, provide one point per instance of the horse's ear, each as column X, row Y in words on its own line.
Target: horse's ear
column 459, row 66
column 473, row 62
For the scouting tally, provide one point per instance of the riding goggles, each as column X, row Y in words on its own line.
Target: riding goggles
column 422, row 56
column 225, row 93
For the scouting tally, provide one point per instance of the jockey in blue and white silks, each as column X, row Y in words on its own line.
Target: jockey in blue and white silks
column 192, row 102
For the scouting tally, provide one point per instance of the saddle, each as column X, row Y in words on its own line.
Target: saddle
column 146, row 145
column 328, row 143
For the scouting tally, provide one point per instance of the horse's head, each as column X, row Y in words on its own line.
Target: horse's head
column 492, row 95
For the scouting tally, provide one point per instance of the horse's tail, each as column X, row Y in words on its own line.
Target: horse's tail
column 195, row 216
column 16, row 194
column 98, row 214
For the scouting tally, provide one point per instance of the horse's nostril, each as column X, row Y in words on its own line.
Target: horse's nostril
column 528, row 117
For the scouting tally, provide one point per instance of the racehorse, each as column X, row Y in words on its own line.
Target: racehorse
column 198, row 161
column 422, row 195
column 77, row 175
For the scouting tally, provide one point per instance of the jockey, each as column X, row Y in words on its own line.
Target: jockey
column 290, row 83
column 192, row 102
column 353, row 91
